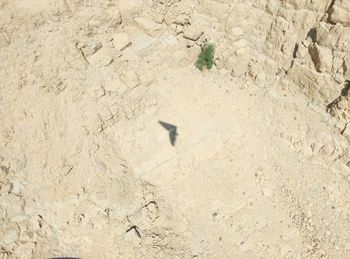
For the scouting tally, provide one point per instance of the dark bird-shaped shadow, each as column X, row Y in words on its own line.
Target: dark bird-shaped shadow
column 172, row 129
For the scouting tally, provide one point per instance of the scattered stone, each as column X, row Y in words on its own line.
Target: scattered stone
column 190, row 43
column 147, row 25
column 131, row 79
column 116, row 20
column 180, row 58
column 193, row 32
column 99, row 92
column 179, row 29
column 142, row 43
column 10, row 236
column 159, row 18
column 302, row 51
column 90, row 48
column 197, row 246
column 170, row 40
column 130, row 55
column 101, row 167
column 16, row 187
column 240, row 44
column 147, row 77
column 105, row 115
column 182, row 19
column 121, row 41
column 238, row 64
column 102, row 58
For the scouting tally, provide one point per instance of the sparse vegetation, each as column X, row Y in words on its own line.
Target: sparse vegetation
column 206, row 57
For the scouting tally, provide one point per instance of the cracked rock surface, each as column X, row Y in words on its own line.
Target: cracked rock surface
column 261, row 164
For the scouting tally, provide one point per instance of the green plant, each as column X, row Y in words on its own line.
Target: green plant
column 206, row 57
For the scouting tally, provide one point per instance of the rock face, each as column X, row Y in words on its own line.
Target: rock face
column 322, row 58
column 339, row 13
column 261, row 164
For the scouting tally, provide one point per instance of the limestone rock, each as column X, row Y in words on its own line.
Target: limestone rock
column 322, row 58
column 102, row 58
column 327, row 36
column 340, row 12
column 193, row 32
column 121, row 41
column 129, row 9
column 10, row 236
column 142, row 43
column 147, row 25
column 314, row 85
column 115, row 19
column 16, row 188
column 133, row 235
column 302, row 51
column 90, row 48
column 238, row 65
column 182, row 19
column 131, row 79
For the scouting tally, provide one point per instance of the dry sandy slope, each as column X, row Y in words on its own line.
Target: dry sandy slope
column 259, row 168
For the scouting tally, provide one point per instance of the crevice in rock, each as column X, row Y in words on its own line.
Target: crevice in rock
column 296, row 47
column 312, row 34
column 135, row 229
column 335, row 103
column 345, row 90
column 344, row 129
column 315, row 57
column 329, row 12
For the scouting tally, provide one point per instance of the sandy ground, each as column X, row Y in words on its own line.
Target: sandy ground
column 261, row 163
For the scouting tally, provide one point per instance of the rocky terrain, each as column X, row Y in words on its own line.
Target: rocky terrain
column 261, row 164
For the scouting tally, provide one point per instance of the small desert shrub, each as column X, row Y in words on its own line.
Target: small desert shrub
column 206, row 57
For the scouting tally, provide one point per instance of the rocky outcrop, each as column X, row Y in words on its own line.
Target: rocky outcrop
column 81, row 82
